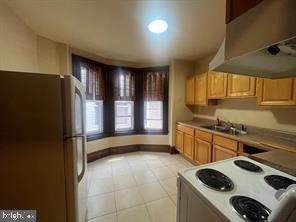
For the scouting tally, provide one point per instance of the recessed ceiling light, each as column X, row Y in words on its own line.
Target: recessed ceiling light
column 158, row 26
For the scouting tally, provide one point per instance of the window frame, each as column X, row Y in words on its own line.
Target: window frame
column 132, row 116
column 102, row 119
column 138, row 107
column 147, row 119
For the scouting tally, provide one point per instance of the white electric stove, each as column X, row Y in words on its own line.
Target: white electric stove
column 240, row 184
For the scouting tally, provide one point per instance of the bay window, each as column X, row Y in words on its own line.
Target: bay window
column 123, row 100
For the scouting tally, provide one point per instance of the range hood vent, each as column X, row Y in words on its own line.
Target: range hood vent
column 261, row 42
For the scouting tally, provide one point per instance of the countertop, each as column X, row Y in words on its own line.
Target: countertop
column 258, row 137
column 280, row 159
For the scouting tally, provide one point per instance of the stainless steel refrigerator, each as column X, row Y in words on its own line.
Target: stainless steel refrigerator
column 42, row 146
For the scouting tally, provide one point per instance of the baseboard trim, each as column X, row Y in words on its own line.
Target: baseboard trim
column 129, row 148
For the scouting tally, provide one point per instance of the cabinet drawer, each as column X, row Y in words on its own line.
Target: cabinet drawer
column 185, row 129
column 225, row 142
column 203, row 135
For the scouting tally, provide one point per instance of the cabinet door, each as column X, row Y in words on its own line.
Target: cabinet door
column 188, row 146
column 217, row 84
column 221, row 153
column 190, row 90
column 239, row 86
column 179, row 141
column 200, row 97
column 203, row 151
column 278, row 92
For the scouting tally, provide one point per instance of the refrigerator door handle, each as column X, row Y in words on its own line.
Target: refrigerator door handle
column 81, row 175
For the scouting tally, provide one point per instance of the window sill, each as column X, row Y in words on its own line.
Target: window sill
column 126, row 133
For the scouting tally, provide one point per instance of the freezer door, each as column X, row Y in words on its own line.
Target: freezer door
column 74, row 107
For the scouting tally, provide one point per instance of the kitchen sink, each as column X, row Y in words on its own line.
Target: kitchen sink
column 225, row 129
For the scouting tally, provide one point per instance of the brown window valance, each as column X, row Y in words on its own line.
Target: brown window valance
column 92, row 79
column 124, row 85
column 153, row 83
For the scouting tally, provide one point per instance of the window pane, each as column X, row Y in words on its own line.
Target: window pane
column 153, row 124
column 124, row 115
column 153, row 115
column 94, row 116
column 123, row 123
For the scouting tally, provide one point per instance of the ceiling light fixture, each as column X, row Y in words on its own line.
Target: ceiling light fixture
column 158, row 26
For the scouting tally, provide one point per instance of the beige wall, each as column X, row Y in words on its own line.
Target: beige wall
column 245, row 110
column 52, row 56
column 178, row 109
column 18, row 44
column 22, row 50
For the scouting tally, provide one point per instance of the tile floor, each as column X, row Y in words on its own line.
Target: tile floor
column 134, row 187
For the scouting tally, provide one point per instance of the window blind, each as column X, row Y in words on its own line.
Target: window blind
column 124, row 85
column 92, row 78
column 153, row 86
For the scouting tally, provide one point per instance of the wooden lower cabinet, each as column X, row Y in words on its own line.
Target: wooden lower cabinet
column 179, row 141
column 221, row 153
column 202, row 151
column 188, row 146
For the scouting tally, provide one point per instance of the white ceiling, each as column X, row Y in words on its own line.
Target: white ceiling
column 118, row 28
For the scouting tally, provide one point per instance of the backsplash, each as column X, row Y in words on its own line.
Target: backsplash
column 246, row 111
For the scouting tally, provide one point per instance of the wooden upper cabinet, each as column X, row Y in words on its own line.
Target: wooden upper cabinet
column 190, row 82
column 217, row 85
column 188, row 146
column 202, row 151
column 240, row 86
column 278, row 92
column 200, row 95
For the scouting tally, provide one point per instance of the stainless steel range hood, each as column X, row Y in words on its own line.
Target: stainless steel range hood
column 261, row 42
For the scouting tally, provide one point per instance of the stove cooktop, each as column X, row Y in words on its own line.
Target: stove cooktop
column 247, row 165
column 245, row 183
column 215, row 179
column 278, row 182
column 249, row 209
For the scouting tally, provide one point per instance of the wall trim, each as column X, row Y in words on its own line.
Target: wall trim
column 129, row 148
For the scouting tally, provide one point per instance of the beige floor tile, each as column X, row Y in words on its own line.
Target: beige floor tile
column 128, row 198
column 169, row 160
column 154, row 163
column 170, row 185
column 150, row 155
column 124, row 181
column 162, row 173
column 163, row 210
column 103, row 172
column 139, row 167
column 134, row 214
column 152, row 191
column 100, row 205
column 100, row 186
column 144, row 177
column 106, row 218
column 121, row 169
column 176, row 167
